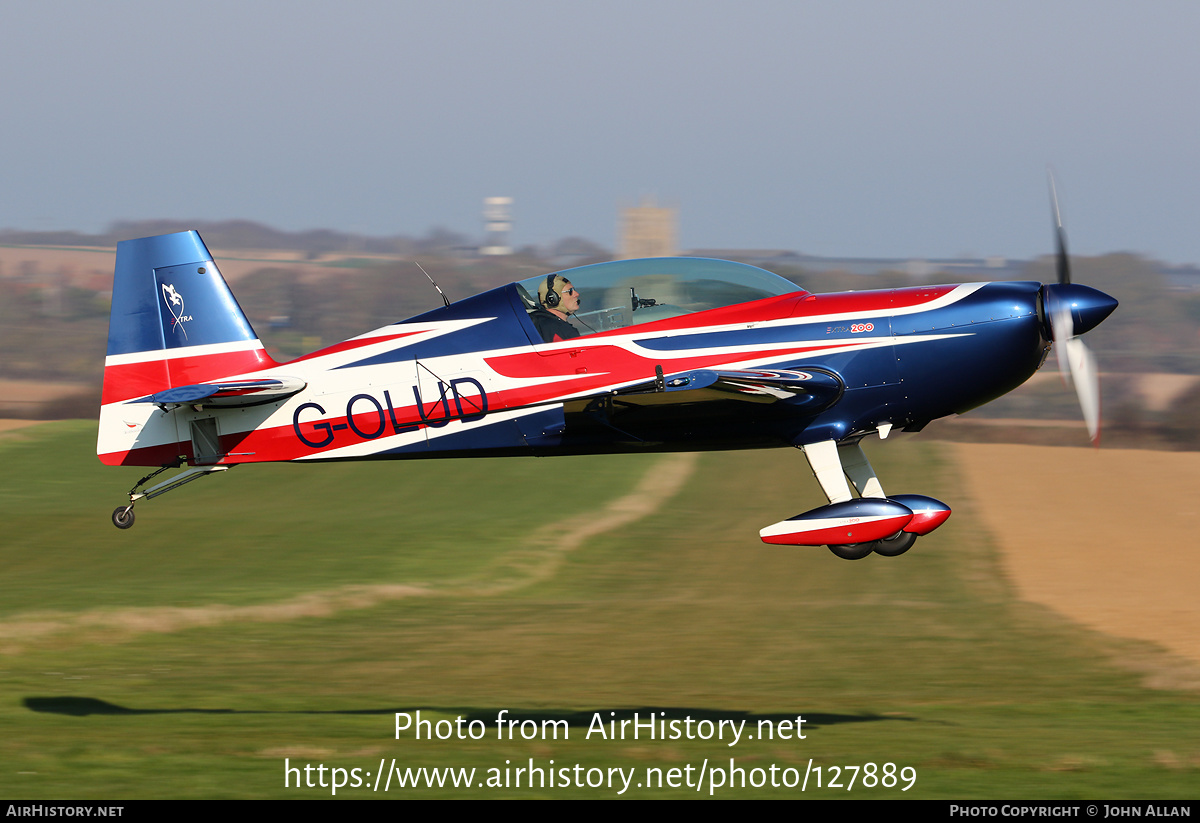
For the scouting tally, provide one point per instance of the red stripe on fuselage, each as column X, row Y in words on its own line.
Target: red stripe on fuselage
column 159, row 455
column 128, row 381
column 869, row 302
column 609, row 365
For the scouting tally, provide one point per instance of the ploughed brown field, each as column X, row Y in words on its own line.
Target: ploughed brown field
column 1108, row 538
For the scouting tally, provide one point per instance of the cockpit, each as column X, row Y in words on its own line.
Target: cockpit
column 625, row 293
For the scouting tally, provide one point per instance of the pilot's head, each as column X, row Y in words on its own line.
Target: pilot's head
column 558, row 295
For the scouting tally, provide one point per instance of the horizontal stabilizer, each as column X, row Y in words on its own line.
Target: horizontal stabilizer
column 228, row 394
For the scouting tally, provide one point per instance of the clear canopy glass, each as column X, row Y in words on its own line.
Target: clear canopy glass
column 630, row 292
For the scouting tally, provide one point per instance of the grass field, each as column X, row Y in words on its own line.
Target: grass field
column 290, row 611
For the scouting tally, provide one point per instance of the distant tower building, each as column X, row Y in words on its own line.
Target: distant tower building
column 497, row 223
column 647, row 231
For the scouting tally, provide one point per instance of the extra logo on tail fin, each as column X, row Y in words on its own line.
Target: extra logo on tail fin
column 175, row 300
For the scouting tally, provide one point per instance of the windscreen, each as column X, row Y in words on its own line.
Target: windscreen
column 630, row 292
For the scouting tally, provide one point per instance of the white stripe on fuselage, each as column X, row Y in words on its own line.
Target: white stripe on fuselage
column 186, row 351
column 413, row 333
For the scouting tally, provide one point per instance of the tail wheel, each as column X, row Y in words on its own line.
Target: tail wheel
column 854, row 551
column 896, row 545
column 122, row 517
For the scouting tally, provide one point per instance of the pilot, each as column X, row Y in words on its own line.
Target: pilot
column 557, row 299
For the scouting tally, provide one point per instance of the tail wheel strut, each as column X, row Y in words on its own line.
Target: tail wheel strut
column 122, row 516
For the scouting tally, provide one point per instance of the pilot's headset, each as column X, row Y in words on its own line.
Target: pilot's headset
column 551, row 298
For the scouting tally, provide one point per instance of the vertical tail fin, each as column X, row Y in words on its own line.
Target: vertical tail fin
column 174, row 322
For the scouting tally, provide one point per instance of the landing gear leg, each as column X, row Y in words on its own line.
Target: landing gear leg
column 853, row 527
column 859, row 470
column 122, row 516
column 825, row 461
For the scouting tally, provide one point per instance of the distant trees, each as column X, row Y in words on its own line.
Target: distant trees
column 53, row 326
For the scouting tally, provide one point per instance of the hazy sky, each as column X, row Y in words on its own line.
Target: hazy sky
column 848, row 128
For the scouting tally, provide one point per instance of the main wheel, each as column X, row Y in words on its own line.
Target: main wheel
column 123, row 517
column 896, row 545
column 853, row 551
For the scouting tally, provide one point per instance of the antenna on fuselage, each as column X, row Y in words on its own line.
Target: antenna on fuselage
column 445, row 299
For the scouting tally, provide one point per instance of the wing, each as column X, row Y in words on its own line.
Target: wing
column 811, row 390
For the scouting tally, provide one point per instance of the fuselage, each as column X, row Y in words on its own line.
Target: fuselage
column 474, row 378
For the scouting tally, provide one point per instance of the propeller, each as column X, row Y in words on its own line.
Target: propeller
column 1073, row 310
column 1062, row 263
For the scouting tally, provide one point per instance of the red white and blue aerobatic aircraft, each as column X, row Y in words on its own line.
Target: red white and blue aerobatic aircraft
column 672, row 354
